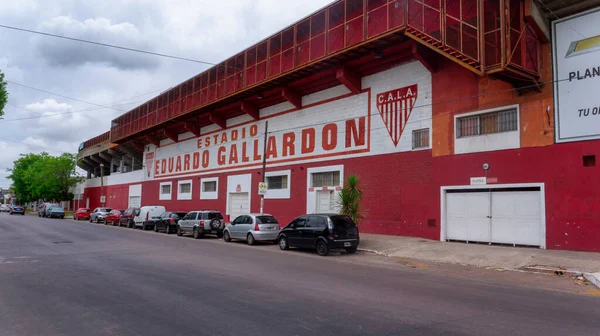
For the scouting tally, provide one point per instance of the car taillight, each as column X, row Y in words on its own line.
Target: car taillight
column 256, row 228
column 171, row 220
column 202, row 223
column 147, row 214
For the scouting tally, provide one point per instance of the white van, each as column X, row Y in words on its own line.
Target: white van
column 146, row 213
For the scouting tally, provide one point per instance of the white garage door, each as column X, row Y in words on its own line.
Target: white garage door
column 506, row 217
column 135, row 201
column 239, row 204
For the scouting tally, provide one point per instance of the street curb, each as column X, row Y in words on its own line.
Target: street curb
column 593, row 278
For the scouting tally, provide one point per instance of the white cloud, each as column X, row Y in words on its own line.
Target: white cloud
column 35, row 142
column 69, row 53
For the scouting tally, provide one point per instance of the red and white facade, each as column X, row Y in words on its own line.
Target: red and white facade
column 415, row 129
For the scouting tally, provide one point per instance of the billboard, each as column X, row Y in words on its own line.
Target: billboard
column 576, row 57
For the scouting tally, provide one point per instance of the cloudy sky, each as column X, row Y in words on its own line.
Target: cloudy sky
column 206, row 30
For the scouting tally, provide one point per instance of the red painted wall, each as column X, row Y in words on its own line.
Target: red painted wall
column 572, row 193
column 397, row 192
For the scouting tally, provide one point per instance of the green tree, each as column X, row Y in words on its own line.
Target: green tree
column 42, row 176
column 349, row 199
column 3, row 94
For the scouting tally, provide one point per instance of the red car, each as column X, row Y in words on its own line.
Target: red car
column 113, row 217
column 82, row 214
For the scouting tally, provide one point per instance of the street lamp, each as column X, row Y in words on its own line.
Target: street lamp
column 102, row 184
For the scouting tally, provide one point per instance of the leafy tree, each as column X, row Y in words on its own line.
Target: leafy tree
column 3, row 94
column 42, row 176
column 349, row 199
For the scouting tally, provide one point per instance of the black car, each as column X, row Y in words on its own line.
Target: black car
column 321, row 232
column 167, row 221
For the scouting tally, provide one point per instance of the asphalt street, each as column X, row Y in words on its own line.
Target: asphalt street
column 62, row 277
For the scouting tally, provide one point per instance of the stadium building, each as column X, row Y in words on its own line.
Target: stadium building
column 466, row 120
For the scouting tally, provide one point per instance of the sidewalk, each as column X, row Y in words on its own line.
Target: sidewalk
column 482, row 255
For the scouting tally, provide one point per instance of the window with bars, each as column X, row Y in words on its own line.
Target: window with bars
column 209, row 186
column 420, row 138
column 487, row 123
column 185, row 188
column 165, row 189
column 277, row 182
column 326, row 179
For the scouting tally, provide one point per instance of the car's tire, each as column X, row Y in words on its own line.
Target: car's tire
column 322, row 248
column 226, row 236
column 23, row 214
column 179, row 232
column 155, row 228
column 10, row 213
column 214, row 224
column 62, row 217
column 351, row 250
column 283, row 243
column 197, row 234
column 167, row 228
column 250, row 239
column 91, row 220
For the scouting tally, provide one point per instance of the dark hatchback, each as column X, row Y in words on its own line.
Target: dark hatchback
column 17, row 209
column 167, row 221
column 322, row 232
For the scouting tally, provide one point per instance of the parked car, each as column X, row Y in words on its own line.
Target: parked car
column 321, row 232
column 82, row 214
column 4, row 207
column 252, row 228
column 167, row 221
column 146, row 212
column 199, row 223
column 43, row 209
column 17, row 209
column 128, row 216
column 113, row 217
column 55, row 212
column 99, row 215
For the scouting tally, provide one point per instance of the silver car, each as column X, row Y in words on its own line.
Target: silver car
column 199, row 223
column 99, row 215
column 252, row 228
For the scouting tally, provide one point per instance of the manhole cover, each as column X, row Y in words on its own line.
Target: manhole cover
column 63, row 242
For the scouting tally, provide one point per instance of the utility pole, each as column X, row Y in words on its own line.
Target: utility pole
column 102, row 184
column 264, row 166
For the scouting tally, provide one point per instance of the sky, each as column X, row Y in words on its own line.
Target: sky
column 205, row 30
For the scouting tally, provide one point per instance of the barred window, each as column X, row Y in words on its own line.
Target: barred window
column 165, row 189
column 277, row 182
column 420, row 138
column 209, row 186
column 185, row 188
column 487, row 123
column 326, row 179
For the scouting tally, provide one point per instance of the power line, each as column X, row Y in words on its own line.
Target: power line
column 63, row 96
column 105, row 44
column 78, row 111
column 35, row 146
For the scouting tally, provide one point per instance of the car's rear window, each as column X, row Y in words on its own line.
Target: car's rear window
column 342, row 222
column 86, row 210
column 136, row 212
column 106, row 210
column 266, row 220
column 212, row 215
column 177, row 215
